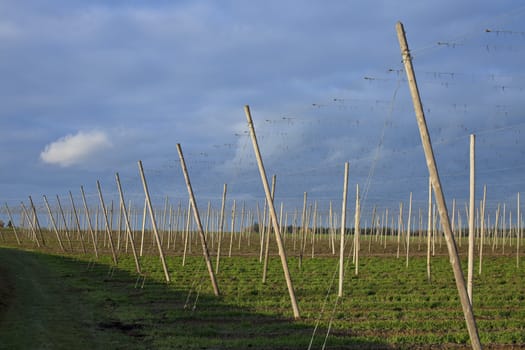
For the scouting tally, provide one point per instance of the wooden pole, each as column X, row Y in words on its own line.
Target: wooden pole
column 399, row 228
column 408, row 226
column 267, row 243
column 198, row 221
column 77, row 223
column 273, row 214
column 128, row 226
column 54, row 225
column 153, row 222
column 221, row 228
column 343, row 229
column 429, row 229
column 518, row 232
column 108, row 226
column 303, row 230
column 31, row 224
column 36, row 222
column 357, row 232
column 482, row 231
column 144, row 216
column 88, row 220
column 187, row 233
column 436, row 184
column 232, row 228
column 64, row 221
column 13, row 224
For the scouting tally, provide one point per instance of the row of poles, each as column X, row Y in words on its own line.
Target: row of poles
column 464, row 288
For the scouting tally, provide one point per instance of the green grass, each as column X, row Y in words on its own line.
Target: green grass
column 56, row 301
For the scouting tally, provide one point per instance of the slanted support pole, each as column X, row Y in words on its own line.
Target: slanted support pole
column 438, row 192
column 153, row 222
column 198, row 222
column 273, row 214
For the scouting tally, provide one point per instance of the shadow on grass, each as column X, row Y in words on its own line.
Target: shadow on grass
column 63, row 302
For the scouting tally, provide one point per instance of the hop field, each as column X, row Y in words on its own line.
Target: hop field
column 72, row 299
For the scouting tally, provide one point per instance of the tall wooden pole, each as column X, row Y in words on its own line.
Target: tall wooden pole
column 221, row 228
column 518, row 232
column 143, row 225
column 128, row 226
column 198, row 222
column 13, row 224
column 232, row 228
column 54, row 224
column 357, row 220
column 108, row 226
column 88, row 220
column 267, row 243
column 482, row 229
column 36, row 222
column 153, row 222
column 273, row 214
column 471, row 216
column 64, row 221
column 77, row 222
column 304, row 227
column 343, row 229
column 436, row 184
column 429, row 229
column 409, row 224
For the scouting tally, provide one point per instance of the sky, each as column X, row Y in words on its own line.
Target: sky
column 89, row 88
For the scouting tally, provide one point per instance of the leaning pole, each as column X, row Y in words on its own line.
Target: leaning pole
column 273, row 214
column 197, row 217
column 438, row 192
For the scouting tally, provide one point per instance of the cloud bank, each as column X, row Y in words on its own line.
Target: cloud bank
column 75, row 149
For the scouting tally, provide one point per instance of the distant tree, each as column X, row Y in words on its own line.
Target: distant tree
column 9, row 224
column 254, row 228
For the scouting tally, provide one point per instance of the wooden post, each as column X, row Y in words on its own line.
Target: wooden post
column 36, row 222
column 221, row 229
column 88, row 220
column 267, row 243
column 241, row 226
column 408, row 226
column 31, row 225
column 108, row 226
column 54, row 224
column 144, row 216
column 482, row 228
column 357, row 232
column 399, row 228
column 198, row 222
column 429, row 229
column 13, row 223
column 436, row 184
column 63, row 216
column 518, row 232
column 128, row 226
column 187, row 233
column 77, row 222
column 304, row 227
column 273, row 214
column 331, row 228
column 343, row 229
column 153, row 222
column 232, row 229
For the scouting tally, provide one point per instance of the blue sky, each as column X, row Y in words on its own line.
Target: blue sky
column 91, row 87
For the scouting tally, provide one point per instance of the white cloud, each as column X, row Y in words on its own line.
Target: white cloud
column 75, row 149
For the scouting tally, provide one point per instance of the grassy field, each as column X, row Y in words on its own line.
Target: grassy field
column 67, row 300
